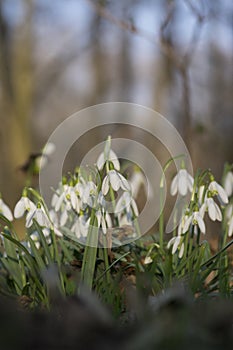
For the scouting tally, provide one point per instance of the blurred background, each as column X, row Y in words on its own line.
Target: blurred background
column 58, row 57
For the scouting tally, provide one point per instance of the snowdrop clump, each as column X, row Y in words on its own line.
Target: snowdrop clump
column 82, row 199
column 203, row 201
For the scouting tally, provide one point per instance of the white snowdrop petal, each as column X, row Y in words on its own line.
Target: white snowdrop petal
column 222, row 194
column 125, row 185
column 34, row 236
column 59, row 202
column 54, row 199
column 108, row 220
column 40, row 218
column 175, row 245
column 49, row 148
column 114, row 160
column 19, row 209
column 171, row 242
column 212, row 210
column 148, row 260
column 202, row 210
column 230, row 229
column 182, row 182
column 228, row 183
column 190, row 179
column 98, row 216
column 7, row 212
column 37, row 244
column 120, row 205
column 63, row 218
column 57, row 232
column 100, row 161
column 105, row 185
column 187, row 224
column 201, row 223
column 218, row 213
column 103, row 224
column 114, row 180
column 174, row 186
column 181, row 252
column 29, row 218
column 73, row 199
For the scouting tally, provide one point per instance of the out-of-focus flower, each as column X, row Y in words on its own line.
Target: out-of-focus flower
column 104, row 220
column 230, row 226
column 80, row 227
column 136, row 182
column 48, row 150
column 182, row 183
column 148, row 260
column 5, row 210
column 55, row 223
column 126, row 203
column 228, row 183
column 36, row 239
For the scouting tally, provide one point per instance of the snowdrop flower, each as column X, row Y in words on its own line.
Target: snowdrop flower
column 55, row 226
column 80, row 227
column 47, row 234
column 116, row 180
column 196, row 220
column 136, row 181
column 127, row 203
column 147, row 260
column 182, row 183
column 5, row 210
column 22, row 206
column 104, row 220
column 47, row 151
column 218, row 190
column 39, row 215
column 177, row 244
column 89, row 193
column 62, row 198
column 182, row 222
column 36, row 239
column 228, row 183
column 108, row 156
column 213, row 209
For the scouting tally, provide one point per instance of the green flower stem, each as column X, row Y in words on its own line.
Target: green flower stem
column 161, row 218
column 90, row 253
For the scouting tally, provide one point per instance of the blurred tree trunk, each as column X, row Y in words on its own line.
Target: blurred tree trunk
column 16, row 100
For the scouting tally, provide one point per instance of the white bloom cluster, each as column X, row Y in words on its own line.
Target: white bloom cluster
column 202, row 202
column 78, row 198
